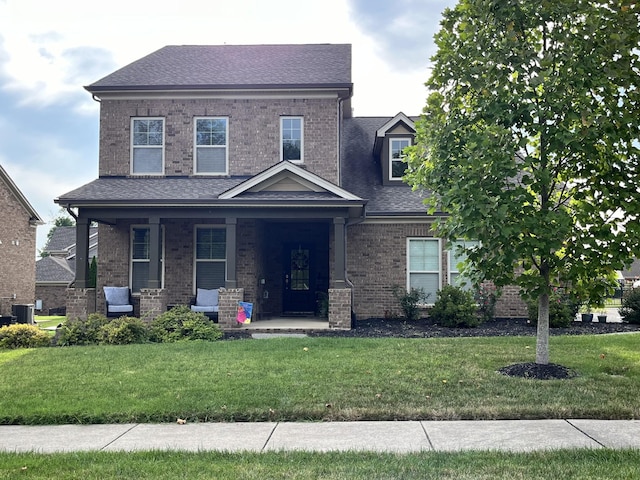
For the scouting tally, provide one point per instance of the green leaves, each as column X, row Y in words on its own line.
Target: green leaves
column 530, row 139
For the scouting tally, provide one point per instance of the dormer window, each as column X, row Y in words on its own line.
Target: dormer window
column 291, row 139
column 147, row 146
column 397, row 158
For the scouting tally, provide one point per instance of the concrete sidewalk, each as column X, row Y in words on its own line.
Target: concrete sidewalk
column 399, row 437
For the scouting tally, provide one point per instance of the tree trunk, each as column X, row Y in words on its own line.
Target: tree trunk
column 542, row 340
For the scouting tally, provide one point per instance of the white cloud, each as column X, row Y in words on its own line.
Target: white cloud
column 49, row 50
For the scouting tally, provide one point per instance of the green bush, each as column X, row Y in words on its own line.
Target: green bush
column 180, row 323
column 455, row 307
column 23, row 336
column 82, row 332
column 410, row 301
column 630, row 307
column 124, row 330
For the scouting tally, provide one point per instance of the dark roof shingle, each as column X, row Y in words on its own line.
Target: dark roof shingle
column 234, row 66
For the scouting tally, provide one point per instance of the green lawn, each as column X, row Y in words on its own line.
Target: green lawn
column 565, row 465
column 287, row 379
column 44, row 321
column 314, row 379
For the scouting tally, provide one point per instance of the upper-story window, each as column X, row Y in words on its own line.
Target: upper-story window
column 147, row 146
column 396, row 157
column 291, row 135
column 211, row 134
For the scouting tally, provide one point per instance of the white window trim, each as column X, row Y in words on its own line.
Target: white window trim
column 292, row 117
column 431, row 300
column 453, row 268
column 196, row 146
column 391, row 160
column 195, row 251
column 132, row 261
column 132, row 146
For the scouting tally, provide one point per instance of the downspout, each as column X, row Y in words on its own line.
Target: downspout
column 70, row 212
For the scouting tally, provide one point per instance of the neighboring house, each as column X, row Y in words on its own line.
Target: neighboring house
column 631, row 275
column 241, row 167
column 18, row 223
column 56, row 271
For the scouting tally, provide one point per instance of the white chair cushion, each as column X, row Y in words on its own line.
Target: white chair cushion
column 120, row 308
column 116, row 295
column 204, row 309
column 207, row 298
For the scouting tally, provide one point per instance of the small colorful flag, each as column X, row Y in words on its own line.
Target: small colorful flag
column 245, row 309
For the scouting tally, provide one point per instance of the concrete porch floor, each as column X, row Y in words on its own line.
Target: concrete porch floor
column 288, row 323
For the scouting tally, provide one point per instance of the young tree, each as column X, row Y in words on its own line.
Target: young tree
column 529, row 142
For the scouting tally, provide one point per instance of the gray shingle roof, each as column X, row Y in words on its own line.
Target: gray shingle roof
column 362, row 174
column 234, row 66
column 54, row 269
column 161, row 189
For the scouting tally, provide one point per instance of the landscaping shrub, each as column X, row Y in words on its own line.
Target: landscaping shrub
column 180, row 323
column 23, row 336
column 486, row 299
column 82, row 332
column 124, row 330
column 630, row 307
column 455, row 307
column 410, row 301
column 562, row 310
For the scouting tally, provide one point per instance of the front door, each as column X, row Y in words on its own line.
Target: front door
column 299, row 285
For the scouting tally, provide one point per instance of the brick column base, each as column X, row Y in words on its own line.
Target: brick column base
column 340, row 308
column 228, row 307
column 153, row 302
column 80, row 302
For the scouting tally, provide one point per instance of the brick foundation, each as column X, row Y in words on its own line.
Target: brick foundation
column 340, row 308
column 228, row 307
column 153, row 302
column 80, row 302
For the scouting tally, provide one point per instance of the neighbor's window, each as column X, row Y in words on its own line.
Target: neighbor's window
column 423, row 265
column 147, row 146
column 211, row 136
column 455, row 259
column 397, row 158
column 139, row 270
column 210, row 257
column 291, row 134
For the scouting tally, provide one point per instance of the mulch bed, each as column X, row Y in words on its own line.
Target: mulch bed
column 425, row 328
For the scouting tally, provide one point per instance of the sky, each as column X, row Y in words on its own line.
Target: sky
column 50, row 50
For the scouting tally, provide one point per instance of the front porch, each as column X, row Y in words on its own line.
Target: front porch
column 152, row 302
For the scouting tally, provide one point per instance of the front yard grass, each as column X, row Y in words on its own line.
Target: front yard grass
column 45, row 321
column 291, row 379
column 567, row 464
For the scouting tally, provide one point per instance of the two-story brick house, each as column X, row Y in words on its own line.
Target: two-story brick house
column 241, row 167
column 18, row 223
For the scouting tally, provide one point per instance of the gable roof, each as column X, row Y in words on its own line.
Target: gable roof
column 234, row 67
column 55, row 270
column 287, row 177
column 34, row 218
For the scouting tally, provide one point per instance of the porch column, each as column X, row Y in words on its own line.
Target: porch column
column 339, row 251
column 82, row 252
column 155, row 268
column 231, row 279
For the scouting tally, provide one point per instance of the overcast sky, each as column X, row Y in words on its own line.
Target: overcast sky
column 51, row 49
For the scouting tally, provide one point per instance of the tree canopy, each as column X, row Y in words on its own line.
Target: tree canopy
column 529, row 142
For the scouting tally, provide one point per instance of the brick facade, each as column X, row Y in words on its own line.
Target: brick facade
column 254, row 133
column 53, row 297
column 376, row 259
column 17, row 252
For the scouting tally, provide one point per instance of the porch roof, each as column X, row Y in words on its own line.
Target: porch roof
column 192, row 192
